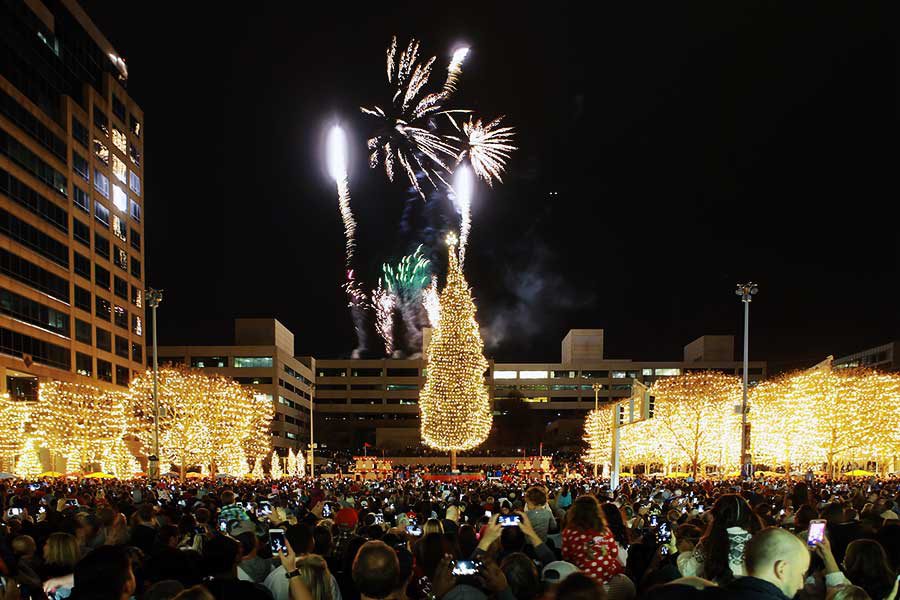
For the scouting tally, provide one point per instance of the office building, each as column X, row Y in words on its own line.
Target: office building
column 262, row 358
column 71, row 203
column 883, row 358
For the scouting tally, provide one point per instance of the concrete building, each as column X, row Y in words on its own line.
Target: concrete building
column 375, row 401
column 262, row 358
column 71, row 203
column 883, row 358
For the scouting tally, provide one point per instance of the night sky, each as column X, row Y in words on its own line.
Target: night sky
column 689, row 150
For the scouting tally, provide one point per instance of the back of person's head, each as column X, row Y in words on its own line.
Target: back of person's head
column 300, row 537
column 687, row 536
column 221, row 555
column 247, row 540
column 430, row 550
column 166, row 535
column 227, row 497
column 889, row 538
column 202, row 515
column 615, row 523
column 866, row 565
column 322, row 541
column 833, row 512
column 198, row 592
column 512, row 539
column 850, row 592
column 777, row 556
column 585, row 514
column 468, row 540
column 536, row 495
column 432, row 526
column 579, row 586
column 163, row 590
column 730, row 510
column 376, row 570
column 104, row 573
column 804, row 515
column 314, row 573
column 61, row 549
column 106, row 516
column 145, row 514
column 522, row 575
column 23, row 545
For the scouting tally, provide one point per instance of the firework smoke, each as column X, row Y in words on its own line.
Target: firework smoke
column 487, row 147
column 405, row 283
column 462, row 200
column 454, row 69
column 432, row 303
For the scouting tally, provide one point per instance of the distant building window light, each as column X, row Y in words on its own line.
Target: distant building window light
column 505, row 374
column 101, row 213
column 536, row 400
column 120, row 198
column 253, row 362
column 533, row 375
column 120, row 141
column 646, row 372
column 619, row 375
column 668, row 372
column 101, row 151
column 135, row 126
column 135, row 211
column 134, row 182
column 119, row 169
column 119, row 228
column 101, row 183
column 136, row 325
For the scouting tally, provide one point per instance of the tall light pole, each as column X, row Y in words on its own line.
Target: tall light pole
column 597, row 388
column 746, row 291
column 154, row 297
column 312, row 439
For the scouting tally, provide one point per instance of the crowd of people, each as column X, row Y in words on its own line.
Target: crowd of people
column 409, row 538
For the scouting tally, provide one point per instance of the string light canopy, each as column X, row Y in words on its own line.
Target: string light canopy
column 205, row 420
column 456, row 412
column 13, row 417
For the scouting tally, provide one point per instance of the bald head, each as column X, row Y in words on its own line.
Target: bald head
column 777, row 556
column 376, row 570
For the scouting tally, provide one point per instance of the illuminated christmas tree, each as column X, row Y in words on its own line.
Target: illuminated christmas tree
column 29, row 463
column 598, row 435
column 275, row 470
column 292, row 464
column 119, row 461
column 456, row 411
column 257, row 472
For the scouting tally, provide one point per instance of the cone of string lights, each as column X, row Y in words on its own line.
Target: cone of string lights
column 205, row 420
column 28, row 464
column 79, row 421
column 598, row 436
column 275, row 469
column 456, row 412
column 827, row 417
column 257, row 472
column 13, row 417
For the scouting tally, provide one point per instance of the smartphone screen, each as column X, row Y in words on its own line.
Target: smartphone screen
column 654, row 520
column 464, row 567
column 510, row 520
column 223, row 526
column 326, row 510
column 488, row 514
column 413, row 530
column 664, row 534
column 276, row 540
column 816, row 532
column 379, row 518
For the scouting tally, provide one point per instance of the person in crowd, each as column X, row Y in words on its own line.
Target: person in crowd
column 776, row 564
column 580, row 586
column 221, row 558
column 61, row 554
column 104, row 574
column 376, row 572
column 539, row 514
column 230, row 510
column 587, row 541
column 719, row 555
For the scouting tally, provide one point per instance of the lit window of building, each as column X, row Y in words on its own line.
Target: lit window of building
column 505, row 374
column 533, row 374
column 120, row 199
column 101, row 151
column 118, row 168
column 120, row 141
column 253, row 362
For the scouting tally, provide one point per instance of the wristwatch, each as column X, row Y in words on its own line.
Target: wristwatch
column 290, row 574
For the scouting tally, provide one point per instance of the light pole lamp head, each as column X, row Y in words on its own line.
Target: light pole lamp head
column 746, row 291
column 154, row 297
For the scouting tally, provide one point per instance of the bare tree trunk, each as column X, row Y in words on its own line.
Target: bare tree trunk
column 453, row 466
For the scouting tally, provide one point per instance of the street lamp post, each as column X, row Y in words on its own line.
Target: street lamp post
column 154, row 297
column 746, row 291
column 596, row 387
column 312, row 440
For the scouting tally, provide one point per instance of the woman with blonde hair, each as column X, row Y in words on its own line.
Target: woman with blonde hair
column 60, row 555
column 314, row 573
column 432, row 526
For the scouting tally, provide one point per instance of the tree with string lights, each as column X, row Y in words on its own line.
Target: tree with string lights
column 456, row 411
column 13, row 418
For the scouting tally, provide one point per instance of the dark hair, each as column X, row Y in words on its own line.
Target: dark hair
column 300, row 537
column 221, row 554
column 102, row 573
column 585, row 515
column 889, row 538
column 536, row 495
column 615, row 523
column 322, row 541
column 468, row 540
column 730, row 510
column 512, row 539
column 165, row 534
column 376, row 570
column 579, row 586
column 866, row 565
column 429, row 551
column 522, row 575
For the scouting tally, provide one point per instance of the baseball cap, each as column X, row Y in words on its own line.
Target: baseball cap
column 243, row 527
column 557, row 571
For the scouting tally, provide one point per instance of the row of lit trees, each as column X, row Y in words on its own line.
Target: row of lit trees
column 205, row 420
column 815, row 418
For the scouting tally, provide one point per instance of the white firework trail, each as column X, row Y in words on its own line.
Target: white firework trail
column 454, row 69
column 383, row 302
column 487, row 146
column 432, row 302
column 461, row 195
column 337, row 166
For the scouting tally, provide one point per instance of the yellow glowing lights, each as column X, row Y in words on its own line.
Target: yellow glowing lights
column 456, row 412
column 805, row 419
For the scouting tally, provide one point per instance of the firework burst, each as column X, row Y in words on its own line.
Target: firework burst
column 454, row 69
column 487, row 146
column 432, row 303
column 405, row 139
column 410, row 275
column 383, row 302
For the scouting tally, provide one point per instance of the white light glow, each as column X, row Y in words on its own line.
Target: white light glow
column 462, row 201
column 533, row 374
column 505, row 374
column 459, row 55
column 337, row 153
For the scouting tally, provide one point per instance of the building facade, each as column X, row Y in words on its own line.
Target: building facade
column 883, row 358
column 262, row 358
column 71, row 203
